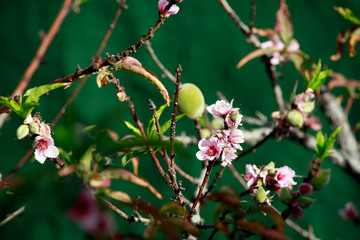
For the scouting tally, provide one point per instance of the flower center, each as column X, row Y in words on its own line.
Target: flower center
column 42, row 145
column 212, row 151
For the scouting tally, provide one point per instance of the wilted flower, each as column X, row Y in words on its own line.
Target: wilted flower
column 284, row 177
column 209, row 150
column 350, row 212
column 162, row 5
column 296, row 210
column 45, row 149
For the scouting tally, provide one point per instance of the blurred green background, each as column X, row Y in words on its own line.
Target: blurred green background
column 207, row 44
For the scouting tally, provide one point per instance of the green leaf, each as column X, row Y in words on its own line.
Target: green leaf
column 324, row 144
column 128, row 156
column 347, row 14
column 86, row 158
column 306, row 202
column 174, row 208
column 31, row 97
column 167, row 125
column 10, row 103
column 319, row 77
column 131, row 127
column 151, row 127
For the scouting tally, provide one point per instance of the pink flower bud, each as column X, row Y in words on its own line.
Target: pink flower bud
column 162, row 5
column 350, row 212
column 305, row 188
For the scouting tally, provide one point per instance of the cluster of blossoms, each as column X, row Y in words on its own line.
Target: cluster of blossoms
column 302, row 105
column 45, row 147
column 283, row 52
column 269, row 176
column 89, row 216
column 226, row 141
column 281, row 180
column 162, row 5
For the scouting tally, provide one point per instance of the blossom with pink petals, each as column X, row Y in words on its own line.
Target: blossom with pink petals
column 162, row 5
column 284, row 177
column 220, row 108
column 252, row 173
column 236, row 136
column 350, row 212
column 276, row 56
column 45, row 149
column 221, row 137
column 228, row 155
column 209, row 150
column 313, row 123
column 233, row 118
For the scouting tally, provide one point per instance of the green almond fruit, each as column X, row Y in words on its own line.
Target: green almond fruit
column 191, row 101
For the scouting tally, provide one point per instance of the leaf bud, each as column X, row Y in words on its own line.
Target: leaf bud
column 22, row 131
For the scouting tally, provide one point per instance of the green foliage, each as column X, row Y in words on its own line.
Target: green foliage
column 318, row 78
column 324, row 143
column 29, row 100
column 348, row 15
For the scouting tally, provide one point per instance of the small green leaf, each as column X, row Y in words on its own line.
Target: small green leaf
column 174, row 208
column 319, row 77
column 324, row 144
column 347, row 14
column 128, row 156
column 87, row 157
column 306, row 202
column 167, row 125
column 10, row 103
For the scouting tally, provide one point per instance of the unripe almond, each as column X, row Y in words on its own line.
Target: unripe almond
column 191, row 101
column 22, row 131
column 294, row 118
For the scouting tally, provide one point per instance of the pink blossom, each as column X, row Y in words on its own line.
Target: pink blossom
column 45, row 149
column 88, row 215
column 350, row 212
column 162, row 5
column 284, row 177
column 233, row 118
column 305, row 188
column 313, row 123
column 209, row 150
column 293, row 46
column 236, row 136
column 220, row 108
column 221, row 137
column 276, row 56
column 228, row 155
column 252, row 173
column 85, row 210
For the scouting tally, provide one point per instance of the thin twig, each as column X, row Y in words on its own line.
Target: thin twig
column 252, row 14
column 98, row 53
column 12, row 216
column 251, row 38
column 130, row 219
column 188, row 177
column 17, row 167
column 238, row 177
column 109, row 60
column 158, row 63
column 213, row 184
column 206, row 178
column 36, row 61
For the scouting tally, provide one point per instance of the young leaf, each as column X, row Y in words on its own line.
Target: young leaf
column 318, row 78
column 347, row 14
column 256, row 53
column 324, row 143
column 167, row 125
column 10, row 103
column 118, row 195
